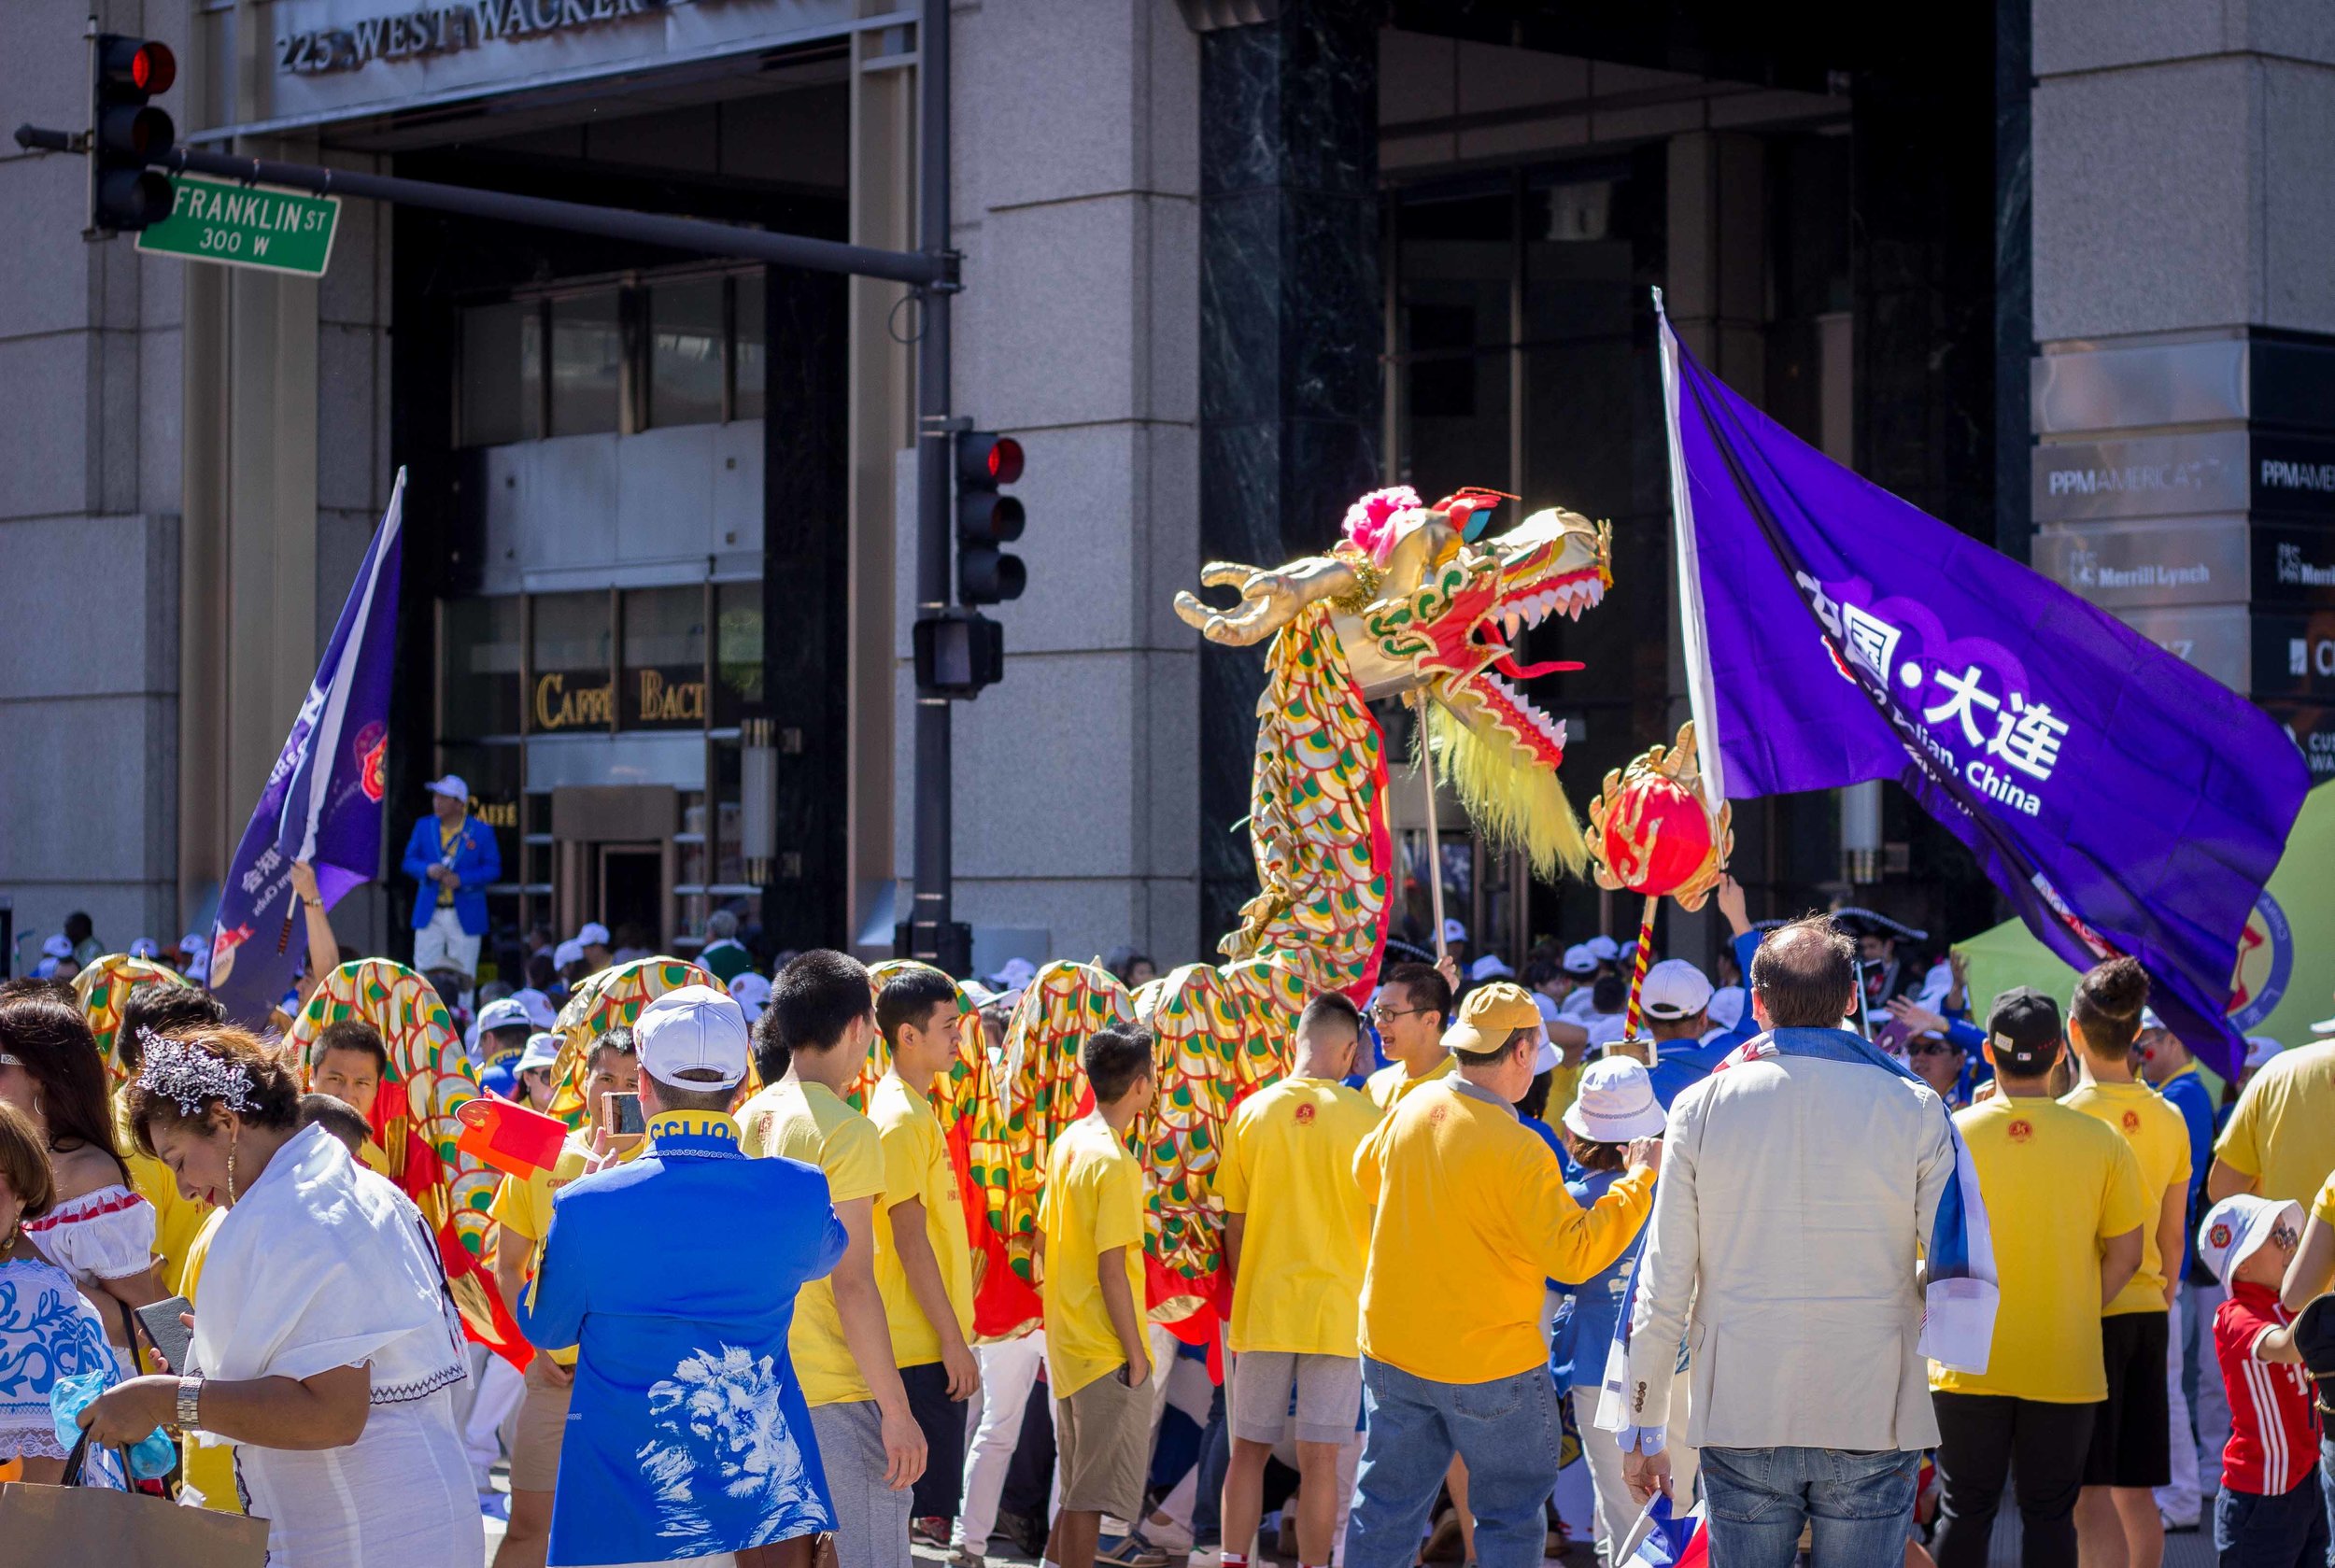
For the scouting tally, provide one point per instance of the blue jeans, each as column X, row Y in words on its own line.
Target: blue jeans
column 1507, row 1430
column 2252, row 1530
column 1860, row 1505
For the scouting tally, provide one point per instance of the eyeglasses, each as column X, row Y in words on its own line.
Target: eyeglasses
column 1381, row 1012
column 1932, row 1046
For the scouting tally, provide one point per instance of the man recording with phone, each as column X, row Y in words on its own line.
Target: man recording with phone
column 522, row 1212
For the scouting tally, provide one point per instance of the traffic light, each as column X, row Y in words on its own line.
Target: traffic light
column 985, row 519
column 958, row 652
column 127, row 133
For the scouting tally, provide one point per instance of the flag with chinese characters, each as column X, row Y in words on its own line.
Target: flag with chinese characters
column 2122, row 801
column 322, row 801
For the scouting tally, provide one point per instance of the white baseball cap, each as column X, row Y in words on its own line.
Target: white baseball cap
column 538, row 1006
column 1675, row 989
column 2261, row 1048
column 1452, row 930
column 192, row 944
column 145, row 947
column 593, row 935
column 752, row 993
column 568, row 951
column 2324, row 1027
column 1579, row 960
column 2235, row 1227
column 504, row 1012
column 58, row 946
column 1490, row 966
column 1604, row 949
column 692, row 1028
column 451, row 784
column 1616, row 1103
column 543, row 1050
column 1726, row 1006
column 1016, row 973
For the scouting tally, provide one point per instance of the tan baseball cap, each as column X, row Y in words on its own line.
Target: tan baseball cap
column 1488, row 1015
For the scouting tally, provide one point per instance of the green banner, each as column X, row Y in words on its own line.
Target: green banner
column 246, row 226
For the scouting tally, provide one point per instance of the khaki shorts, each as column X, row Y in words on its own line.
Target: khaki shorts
column 1326, row 1406
column 1103, row 1443
column 543, row 1421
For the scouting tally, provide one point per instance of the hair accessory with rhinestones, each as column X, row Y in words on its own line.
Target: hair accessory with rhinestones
column 186, row 1075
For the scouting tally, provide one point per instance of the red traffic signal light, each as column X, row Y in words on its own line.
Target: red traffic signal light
column 985, row 519
column 127, row 133
column 984, row 459
column 142, row 64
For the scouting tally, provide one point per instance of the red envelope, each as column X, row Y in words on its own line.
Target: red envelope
column 509, row 1136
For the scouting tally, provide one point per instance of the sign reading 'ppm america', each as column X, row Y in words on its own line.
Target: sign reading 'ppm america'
column 246, row 226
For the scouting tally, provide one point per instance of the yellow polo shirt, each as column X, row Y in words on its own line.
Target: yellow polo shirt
column 1473, row 1219
column 2056, row 1183
column 1287, row 1165
column 177, row 1220
column 2159, row 1141
column 1092, row 1202
column 1392, row 1082
column 808, row 1122
column 916, row 1165
column 2282, row 1132
column 2324, row 1204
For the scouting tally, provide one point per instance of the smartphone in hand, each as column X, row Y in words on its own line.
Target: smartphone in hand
column 623, row 1115
column 167, row 1335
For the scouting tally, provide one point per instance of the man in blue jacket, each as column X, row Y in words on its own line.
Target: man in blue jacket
column 687, row 1436
column 453, row 858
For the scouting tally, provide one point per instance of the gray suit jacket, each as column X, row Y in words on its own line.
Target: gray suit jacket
column 1795, row 1198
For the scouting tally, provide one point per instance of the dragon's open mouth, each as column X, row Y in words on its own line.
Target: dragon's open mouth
column 1498, row 686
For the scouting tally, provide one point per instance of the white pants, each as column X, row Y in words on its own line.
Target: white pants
column 443, row 945
column 1009, row 1370
column 1616, row 1509
column 500, row 1387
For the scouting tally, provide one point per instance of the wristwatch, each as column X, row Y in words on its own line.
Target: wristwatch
column 189, row 1403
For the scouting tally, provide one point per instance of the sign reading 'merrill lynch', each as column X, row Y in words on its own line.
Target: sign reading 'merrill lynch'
column 444, row 30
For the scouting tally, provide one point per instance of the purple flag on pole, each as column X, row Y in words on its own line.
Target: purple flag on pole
column 323, row 803
column 2121, row 800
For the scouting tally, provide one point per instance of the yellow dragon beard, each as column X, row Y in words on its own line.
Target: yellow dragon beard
column 1513, row 802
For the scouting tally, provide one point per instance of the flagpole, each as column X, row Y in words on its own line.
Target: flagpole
column 1434, row 843
column 1694, row 633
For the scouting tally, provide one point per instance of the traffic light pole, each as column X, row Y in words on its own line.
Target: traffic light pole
column 933, row 934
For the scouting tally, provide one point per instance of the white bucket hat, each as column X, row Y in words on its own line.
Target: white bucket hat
column 1616, row 1103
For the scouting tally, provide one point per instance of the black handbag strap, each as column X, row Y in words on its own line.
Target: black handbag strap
column 76, row 1463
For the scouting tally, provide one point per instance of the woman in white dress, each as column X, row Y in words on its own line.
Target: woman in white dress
column 326, row 1346
column 97, row 1230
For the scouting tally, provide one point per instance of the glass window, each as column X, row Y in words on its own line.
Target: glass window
column 737, row 651
column 664, row 658
column 1455, row 263
column 587, row 364
column 749, row 353
column 480, row 669
column 729, row 864
column 502, row 374
column 571, row 662
column 684, row 325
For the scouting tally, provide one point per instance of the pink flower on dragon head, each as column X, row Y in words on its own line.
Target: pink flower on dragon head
column 1370, row 521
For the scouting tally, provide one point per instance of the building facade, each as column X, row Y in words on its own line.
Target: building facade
column 1227, row 263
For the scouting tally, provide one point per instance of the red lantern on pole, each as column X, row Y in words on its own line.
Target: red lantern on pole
column 1652, row 832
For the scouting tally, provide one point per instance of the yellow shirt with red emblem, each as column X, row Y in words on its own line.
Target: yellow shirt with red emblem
column 2057, row 1184
column 2159, row 1140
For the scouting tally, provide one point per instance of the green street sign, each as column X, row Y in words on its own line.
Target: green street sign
column 246, row 226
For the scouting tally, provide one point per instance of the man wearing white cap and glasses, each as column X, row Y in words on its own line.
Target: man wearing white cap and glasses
column 1676, row 1003
column 687, row 1433
column 452, row 859
column 1616, row 1104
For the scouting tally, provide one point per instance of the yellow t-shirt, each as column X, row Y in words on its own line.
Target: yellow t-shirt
column 374, row 1159
column 522, row 1207
column 177, row 1220
column 916, row 1165
column 447, row 836
column 2282, row 1132
column 2159, row 1140
column 2324, row 1204
column 810, row 1121
column 1564, row 1087
column 1469, row 1201
column 2057, row 1185
column 1388, row 1086
column 210, row 1467
column 1092, row 1202
column 1287, row 1163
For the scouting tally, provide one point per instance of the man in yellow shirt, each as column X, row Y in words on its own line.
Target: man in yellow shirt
column 808, row 1044
column 1297, row 1238
column 2117, row 1519
column 2280, row 1141
column 924, row 1258
column 1090, row 1221
column 1472, row 1219
column 1413, row 1006
column 521, row 1212
column 2064, row 1204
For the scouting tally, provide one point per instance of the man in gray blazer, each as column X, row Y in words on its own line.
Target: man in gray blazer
column 1799, row 1187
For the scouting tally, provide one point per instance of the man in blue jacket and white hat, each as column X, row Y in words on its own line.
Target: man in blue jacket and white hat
column 453, row 856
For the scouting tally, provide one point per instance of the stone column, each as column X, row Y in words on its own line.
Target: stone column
column 2183, row 392
column 1292, row 327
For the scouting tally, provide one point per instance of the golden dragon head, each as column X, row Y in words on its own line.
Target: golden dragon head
column 1428, row 602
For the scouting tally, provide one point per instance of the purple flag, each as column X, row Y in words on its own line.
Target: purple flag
column 323, row 803
column 2121, row 800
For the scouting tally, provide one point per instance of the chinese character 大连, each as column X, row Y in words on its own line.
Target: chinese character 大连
column 2028, row 737
column 1967, row 695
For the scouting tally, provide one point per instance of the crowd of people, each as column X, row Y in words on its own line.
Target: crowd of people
column 1497, row 1274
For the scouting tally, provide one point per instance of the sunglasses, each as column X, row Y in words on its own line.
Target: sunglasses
column 1933, row 1046
column 2284, row 1237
